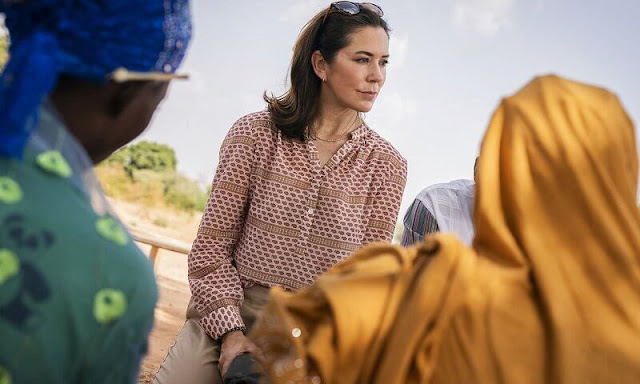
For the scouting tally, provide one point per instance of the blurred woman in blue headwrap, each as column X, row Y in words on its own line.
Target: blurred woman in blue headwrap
column 84, row 77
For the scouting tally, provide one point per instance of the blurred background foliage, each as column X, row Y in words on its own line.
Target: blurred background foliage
column 145, row 173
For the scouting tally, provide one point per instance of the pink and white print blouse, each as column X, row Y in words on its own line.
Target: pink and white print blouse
column 276, row 217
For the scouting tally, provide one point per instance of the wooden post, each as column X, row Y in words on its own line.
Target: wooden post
column 153, row 253
column 156, row 242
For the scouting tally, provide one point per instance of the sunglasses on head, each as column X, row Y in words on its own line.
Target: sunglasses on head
column 352, row 8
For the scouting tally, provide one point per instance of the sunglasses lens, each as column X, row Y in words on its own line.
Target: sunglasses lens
column 347, row 7
column 374, row 8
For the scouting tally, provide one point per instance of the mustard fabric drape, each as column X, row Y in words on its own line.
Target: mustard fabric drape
column 548, row 293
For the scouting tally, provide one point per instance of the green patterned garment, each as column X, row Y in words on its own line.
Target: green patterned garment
column 76, row 294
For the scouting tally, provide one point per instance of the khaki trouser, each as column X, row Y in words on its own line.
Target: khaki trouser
column 193, row 359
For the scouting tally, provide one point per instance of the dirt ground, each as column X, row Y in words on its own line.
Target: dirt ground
column 171, row 275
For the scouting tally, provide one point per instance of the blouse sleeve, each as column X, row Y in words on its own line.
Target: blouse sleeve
column 385, row 207
column 213, row 278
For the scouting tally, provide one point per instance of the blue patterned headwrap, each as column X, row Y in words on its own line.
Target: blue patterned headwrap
column 88, row 39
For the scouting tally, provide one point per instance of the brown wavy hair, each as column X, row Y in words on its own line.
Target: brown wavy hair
column 328, row 32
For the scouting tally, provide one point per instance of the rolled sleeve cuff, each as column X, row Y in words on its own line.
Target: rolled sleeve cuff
column 221, row 321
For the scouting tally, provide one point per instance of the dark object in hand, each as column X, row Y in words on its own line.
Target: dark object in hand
column 242, row 371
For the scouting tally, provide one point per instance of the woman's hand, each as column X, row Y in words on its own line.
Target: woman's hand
column 233, row 344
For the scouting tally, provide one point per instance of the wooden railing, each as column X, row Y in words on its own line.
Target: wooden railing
column 159, row 242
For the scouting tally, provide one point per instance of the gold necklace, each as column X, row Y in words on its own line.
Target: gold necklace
column 328, row 140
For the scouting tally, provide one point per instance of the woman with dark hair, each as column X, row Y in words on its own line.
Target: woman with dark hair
column 298, row 188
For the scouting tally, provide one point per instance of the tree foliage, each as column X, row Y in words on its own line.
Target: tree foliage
column 145, row 155
column 145, row 173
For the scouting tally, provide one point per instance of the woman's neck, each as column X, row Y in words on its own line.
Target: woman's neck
column 335, row 122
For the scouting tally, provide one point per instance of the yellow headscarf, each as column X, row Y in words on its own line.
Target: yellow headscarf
column 549, row 292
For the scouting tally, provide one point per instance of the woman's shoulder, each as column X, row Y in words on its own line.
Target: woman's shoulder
column 381, row 150
column 256, row 120
column 254, row 125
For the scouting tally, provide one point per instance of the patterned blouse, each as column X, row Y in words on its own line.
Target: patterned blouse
column 276, row 217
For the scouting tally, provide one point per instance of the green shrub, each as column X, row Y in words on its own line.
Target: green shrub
column 145, row 155
column 144, row 173
column 184, row 193
column 114, row 181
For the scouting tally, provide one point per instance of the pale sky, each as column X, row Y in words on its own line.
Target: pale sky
column 451, row 62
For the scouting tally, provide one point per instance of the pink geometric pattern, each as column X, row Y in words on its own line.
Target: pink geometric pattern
column 275, row 217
